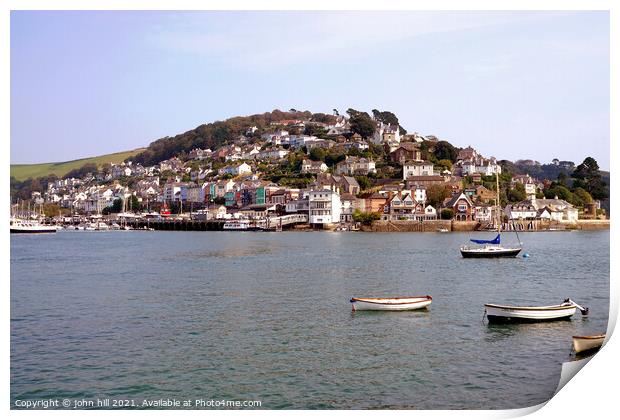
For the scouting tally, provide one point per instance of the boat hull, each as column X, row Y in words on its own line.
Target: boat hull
column 506, row 253
column 391, row 304
column 587, row 343
column 34, row 230
column 499, row 314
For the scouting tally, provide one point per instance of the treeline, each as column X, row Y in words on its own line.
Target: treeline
column 219, row 133
column 23, row 190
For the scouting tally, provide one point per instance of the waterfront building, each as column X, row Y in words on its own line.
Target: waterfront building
column 298, row 206
column 554, row 209
column 324, row 206
column 463, row 207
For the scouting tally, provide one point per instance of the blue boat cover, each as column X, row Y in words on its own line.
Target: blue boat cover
column 482, row 241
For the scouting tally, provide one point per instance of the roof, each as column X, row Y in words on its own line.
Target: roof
column 425, row 178
column 418, row 163
column 351, row 181
column 408, row 146
column 456, row 197
column 257, row 207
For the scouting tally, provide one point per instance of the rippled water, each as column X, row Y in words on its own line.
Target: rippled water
column 265, row 316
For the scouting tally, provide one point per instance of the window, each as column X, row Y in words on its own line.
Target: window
column 462, row 207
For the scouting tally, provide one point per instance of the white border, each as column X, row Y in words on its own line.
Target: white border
column 590, row 394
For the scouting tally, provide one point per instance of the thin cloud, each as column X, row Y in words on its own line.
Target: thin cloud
column 263, row 40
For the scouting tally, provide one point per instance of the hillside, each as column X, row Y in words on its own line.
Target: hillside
column 23, row 172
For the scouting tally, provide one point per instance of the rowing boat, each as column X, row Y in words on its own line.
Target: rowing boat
column 506, row 314
column 583, row 343
column 391, row 303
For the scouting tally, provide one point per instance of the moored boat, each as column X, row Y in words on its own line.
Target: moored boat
column 391, row 303
column 237, row 225
column 489, row 251
column 507, row 314
column 30, row 226
column 492, row 248
column 583, row 343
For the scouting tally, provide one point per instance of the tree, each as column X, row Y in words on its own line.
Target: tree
column 134, row 203
column 117, row 206
column 516, row 194
column 581, row 197
column 364, row 182
column 51, row 210
column 563, row 179
column 560, row 192
column 317, row 153
column 436, row 194
column 365, row 218
column 361, row 123
column 447, row 214
column 444, row 150
column 444, row 164
column 587, row 176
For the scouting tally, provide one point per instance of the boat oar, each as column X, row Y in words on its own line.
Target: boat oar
column 584, row 311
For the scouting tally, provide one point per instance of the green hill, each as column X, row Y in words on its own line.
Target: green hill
column 22, row 172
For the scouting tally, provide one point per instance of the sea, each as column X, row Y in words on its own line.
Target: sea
column 139, row 316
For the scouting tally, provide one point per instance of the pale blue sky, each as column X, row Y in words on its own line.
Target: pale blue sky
column 512, row 84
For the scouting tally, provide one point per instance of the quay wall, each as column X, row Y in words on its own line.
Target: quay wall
column 464, row 226
column 407, row 226
column 588, row 224
column 455, row 226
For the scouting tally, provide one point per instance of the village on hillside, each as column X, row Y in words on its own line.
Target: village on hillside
column 339, row 172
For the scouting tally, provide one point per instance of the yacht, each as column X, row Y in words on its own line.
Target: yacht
column 491, row 248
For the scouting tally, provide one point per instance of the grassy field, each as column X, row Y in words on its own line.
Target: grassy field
column 22, row 172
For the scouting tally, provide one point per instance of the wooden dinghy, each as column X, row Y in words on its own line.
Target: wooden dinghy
column 582, row 343
column 506, row 314
column 391, row 303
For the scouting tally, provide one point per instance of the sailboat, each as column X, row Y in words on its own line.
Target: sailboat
column 491, row 248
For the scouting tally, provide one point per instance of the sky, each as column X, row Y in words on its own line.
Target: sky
column 514, row 85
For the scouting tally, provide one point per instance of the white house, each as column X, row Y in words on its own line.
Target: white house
column 313, row 167
column 417, row 169
column 240, row 169
column 272, row 154
column 297, row 141
column 430, row 212
column 325, row 207
column 386, row 133
column 522, row 210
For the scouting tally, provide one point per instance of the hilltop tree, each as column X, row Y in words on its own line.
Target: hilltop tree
column 587, row 176
column 361, row 123
column 387, row 117
column 444, row 150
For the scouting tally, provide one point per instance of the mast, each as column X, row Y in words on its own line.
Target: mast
column 499, row 219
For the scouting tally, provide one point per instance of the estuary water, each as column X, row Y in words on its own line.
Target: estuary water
column 266, row 316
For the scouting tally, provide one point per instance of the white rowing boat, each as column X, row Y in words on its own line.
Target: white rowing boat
column 391, row 304
column 504, row 313
column 583, row 343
